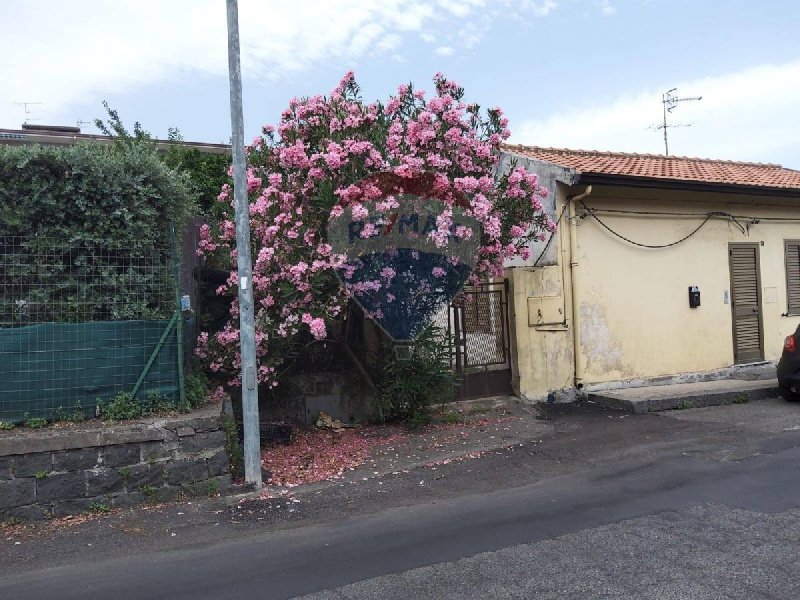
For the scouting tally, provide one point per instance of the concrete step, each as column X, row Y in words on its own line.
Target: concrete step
column 685, row 395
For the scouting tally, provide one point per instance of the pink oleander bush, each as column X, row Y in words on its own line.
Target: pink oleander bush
column 329, row 153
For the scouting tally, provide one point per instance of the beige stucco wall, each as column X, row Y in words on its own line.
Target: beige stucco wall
column 635, row 321
column 542, row 357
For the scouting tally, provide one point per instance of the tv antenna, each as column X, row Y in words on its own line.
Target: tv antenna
column 670, row 100
column 25, row 108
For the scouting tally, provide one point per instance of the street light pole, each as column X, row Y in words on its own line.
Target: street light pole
column 252, row 443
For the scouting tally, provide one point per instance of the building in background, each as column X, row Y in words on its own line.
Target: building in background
column 64, row 135
column 661, row 266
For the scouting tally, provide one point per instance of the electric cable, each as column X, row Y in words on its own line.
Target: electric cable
column 708, row 216
column 552, row 235
column 752, row 219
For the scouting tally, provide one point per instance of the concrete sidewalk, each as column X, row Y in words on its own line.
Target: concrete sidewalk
column 685, row 395
column 460, row 431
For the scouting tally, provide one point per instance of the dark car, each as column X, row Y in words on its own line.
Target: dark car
column 789, row 368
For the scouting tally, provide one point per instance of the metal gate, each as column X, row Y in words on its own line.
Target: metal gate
column 477, row 327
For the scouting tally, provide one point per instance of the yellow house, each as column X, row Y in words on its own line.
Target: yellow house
column 662, row 267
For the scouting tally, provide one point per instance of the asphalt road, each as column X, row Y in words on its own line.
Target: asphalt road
column 715, row 517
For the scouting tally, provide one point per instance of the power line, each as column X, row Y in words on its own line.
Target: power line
column 552, row 235
column 708, row 217
column 753, row 219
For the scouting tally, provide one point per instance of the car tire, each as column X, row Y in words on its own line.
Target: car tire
column 789, row 395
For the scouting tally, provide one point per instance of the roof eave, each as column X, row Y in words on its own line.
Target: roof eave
column 20, row 137
column 684, row 184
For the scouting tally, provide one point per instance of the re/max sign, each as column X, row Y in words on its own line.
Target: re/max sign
column 398, row 225
column 409, row 225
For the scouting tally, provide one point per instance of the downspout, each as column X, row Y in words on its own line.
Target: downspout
column 573, row 267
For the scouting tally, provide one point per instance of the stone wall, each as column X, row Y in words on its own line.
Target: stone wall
column 300, row 399
column 59, row 471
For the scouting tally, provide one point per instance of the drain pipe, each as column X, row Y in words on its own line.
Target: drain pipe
column 574, row 287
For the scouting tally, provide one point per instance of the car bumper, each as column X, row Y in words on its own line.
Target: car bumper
column 789, row 373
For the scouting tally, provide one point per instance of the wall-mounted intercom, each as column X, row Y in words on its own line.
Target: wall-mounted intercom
column 694, row 296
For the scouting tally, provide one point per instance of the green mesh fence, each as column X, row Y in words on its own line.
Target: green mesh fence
column 82, row 322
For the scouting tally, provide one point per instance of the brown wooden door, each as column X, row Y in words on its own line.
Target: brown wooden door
column 748, row 339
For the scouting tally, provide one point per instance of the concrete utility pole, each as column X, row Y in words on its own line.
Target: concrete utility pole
column 247, row 338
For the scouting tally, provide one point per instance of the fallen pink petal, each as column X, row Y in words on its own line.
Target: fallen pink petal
column 324, row 455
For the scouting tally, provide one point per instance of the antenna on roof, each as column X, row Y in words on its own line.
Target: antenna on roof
column 27, row 110
column 669, row 100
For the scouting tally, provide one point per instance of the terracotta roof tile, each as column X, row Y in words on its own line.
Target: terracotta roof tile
column 678, row 168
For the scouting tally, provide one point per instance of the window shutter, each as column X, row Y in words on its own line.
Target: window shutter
column 793, row 276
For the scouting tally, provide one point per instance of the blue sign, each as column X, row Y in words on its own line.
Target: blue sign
column 406, row 258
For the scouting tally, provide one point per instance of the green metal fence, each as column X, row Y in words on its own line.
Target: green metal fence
column 81, row 321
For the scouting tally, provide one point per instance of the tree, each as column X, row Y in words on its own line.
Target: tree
column 207, row 171
column 329, row 155
column 115, row 128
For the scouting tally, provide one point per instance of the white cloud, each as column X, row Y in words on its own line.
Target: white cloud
column 460, row 8
column 607, row 9
column 445, row 50
column 62, row 53
column 471, row 34
column 746, row 115
column 363, row 39
column 540, row 8
column 389, row 42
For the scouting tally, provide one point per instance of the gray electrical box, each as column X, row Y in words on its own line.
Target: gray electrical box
column 545, row 310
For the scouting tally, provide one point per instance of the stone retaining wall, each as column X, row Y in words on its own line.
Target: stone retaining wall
column 55, row 472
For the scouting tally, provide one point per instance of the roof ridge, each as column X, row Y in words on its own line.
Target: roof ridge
column 644, row 155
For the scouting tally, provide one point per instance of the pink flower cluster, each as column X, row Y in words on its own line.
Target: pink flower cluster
column 324, row 156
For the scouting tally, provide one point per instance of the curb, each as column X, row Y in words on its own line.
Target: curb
column 683, row 401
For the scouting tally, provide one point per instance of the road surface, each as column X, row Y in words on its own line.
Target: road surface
column 694, row 504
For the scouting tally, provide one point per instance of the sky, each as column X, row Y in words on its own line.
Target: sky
column 583, row 74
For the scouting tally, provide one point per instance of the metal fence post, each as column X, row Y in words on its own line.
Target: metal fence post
column 176, row 267
column 252, row 444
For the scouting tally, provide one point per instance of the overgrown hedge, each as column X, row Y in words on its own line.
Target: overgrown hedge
column 110, row 196
column 101, row 216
